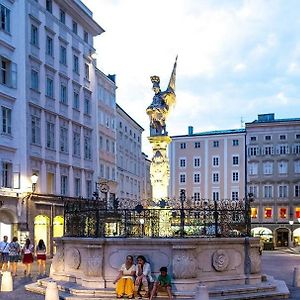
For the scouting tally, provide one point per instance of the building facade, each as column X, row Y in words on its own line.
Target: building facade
column 129, row 158
column 48, row 113
column 273, row 171
column 208, row 165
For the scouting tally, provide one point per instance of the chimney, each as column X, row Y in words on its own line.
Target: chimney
column 190, row 130
column 112, row 77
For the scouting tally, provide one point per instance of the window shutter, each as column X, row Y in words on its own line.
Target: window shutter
column 13, row 75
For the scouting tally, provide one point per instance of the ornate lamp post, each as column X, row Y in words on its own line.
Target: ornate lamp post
column 291, row 222
column 34, row 179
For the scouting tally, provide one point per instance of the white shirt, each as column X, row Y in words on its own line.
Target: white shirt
column 146, row 271
column 127, row 272
column 4, row 247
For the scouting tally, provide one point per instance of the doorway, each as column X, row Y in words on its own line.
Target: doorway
column 282, row 239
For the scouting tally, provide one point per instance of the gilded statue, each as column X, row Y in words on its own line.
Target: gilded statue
column 159, row 109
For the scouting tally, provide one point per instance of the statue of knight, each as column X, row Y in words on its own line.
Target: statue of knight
column 162, row 102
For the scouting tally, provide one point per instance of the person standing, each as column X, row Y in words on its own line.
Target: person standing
column 4, row 245
column 14, row 255
column 27, row 252
column 41, row 257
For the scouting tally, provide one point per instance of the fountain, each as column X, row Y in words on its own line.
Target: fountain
column 205, row 244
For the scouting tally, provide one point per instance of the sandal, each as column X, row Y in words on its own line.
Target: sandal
column 131, row 297
column 119, row 296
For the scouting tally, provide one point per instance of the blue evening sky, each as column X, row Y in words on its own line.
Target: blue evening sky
column 236, row 58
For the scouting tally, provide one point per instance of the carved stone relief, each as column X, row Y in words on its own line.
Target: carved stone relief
column 184, row 264
column 220, row 260
column 73, row 258
column 93, row 265
column 58, row 259
column 255, row 261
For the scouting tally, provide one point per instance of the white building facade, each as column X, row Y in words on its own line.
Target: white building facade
column 48, row 112
column 208, row 165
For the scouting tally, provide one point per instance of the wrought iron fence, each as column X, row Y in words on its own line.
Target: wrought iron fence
column 168, row 218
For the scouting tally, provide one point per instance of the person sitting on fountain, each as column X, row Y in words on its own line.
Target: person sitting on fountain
column 125, row 279
column 144, row 278
column 163, row 283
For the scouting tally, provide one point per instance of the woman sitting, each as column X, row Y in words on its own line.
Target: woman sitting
column 143, row 276
column 125, row 279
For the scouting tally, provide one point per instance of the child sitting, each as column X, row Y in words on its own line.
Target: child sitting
column 163, row 283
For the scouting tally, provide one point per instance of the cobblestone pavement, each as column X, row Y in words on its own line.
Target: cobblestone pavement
column 279, row 264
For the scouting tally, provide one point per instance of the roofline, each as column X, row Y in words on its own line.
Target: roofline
column 106, row 76
column 256, row 122
column 119, row 107
column 215, row 132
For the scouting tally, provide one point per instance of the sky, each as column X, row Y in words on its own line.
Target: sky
column 236, row 58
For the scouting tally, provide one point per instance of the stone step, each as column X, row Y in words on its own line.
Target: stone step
column 275, row 289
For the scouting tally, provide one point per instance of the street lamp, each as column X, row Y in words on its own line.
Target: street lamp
column 34, row 179
column 142, row 222
column 291, row 222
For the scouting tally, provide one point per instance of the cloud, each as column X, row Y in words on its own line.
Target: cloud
column 235, row 58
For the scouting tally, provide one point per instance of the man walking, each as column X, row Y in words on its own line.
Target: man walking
column 4, row 251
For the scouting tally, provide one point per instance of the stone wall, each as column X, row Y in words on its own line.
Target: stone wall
column 212, row 261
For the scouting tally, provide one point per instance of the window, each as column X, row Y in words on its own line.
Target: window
column 197, row 196
column 49, row 45
column 268, row 168
column 282, row 212
column 253, row 189
column 235, row 160
column 282, row 167
column 235, row 176
column 253, row 212
column 34, row 80
column 87, row 147
column 77, row 188
column 268, row 138
column 253, row 138
column 268, row 150
column 4, row 18
column 182, row 145
column 64, row 185
column 49, row 87
column 235, row 142
column 196, row 178
column 50, row 183
column 63, row 55
column 34, row 39
column 6, row 175
column 268, row 191
column 297, row 212
column 75, row 27
column 182, row 162
column 215, row 144
column 297, row 136
column 253, row 151
column 297, row 190
column 6, row 120
column 182, row 178
column 50, row 135
column 76, row 143
column 215, row 161
column 197, row 161
column 63, row 94
column 234, row 196
column 296, row 149
column 63, row 139
column 253, row 168
column 282, row 149
column 215, row 177
column 49, row 5
column 87, row 106
column 86, row 36
column 282, row 137
column 35, row 130
column 268, row 213
column 216, row 196
column 75, row 100
column 86, row 71
column 8, row 72
column 89, row 189
column 62, row 16
column 282, row 191
column 75, row 63
column 197, row 144
column 297, row 166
